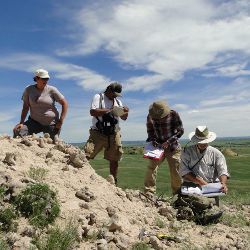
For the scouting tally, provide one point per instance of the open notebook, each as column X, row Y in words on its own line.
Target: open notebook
column 209, row 190
column 152, row 152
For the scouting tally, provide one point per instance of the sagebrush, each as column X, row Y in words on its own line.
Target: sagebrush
column 39, row 203
column 59, row 238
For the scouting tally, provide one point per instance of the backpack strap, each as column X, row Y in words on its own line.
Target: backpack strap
column 100, row 101
column 118, row 102
column 191, row 168
column 100, row 105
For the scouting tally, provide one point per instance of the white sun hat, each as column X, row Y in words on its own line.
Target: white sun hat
column 202, row 135
column 42, row 73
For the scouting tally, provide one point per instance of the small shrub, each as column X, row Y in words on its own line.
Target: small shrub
column 140, row 246
column 93, row 236
column 7, row 216
column 3, row 244
column 2, row 192
column 235, row 220
column 160, row 223
column 236, row 198
column 37, row 174
column 59, row 239
column 133, row 150
column 39, row 203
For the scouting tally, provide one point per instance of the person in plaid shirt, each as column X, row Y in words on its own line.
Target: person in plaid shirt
column 164, row 128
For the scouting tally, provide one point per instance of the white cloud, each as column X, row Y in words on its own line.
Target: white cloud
column 231, row 70
column 6, row 123
column 218, row 101
column 237, row 92
column 77, row 123
column 166, row 38
column 28, row 62
column 5, row 117
column 145, row 83
column 180, row 106
column 234, row 70
column 219, row 120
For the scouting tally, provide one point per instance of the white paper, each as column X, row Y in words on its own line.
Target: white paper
column 209, row 190
column 212, row 189
column 191, row 190
column 152, row 152
column 118, row 111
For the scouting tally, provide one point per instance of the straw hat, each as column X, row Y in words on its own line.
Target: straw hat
column 159, row 109
column 202, row 135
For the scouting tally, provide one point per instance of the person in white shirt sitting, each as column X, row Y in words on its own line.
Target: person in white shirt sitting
column 200, row 164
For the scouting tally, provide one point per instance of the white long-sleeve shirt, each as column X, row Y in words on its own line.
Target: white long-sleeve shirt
column 209, row 168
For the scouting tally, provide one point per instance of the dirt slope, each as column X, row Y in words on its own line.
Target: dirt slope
column 99, row 206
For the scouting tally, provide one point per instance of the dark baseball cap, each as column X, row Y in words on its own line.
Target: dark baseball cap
column 116, row 88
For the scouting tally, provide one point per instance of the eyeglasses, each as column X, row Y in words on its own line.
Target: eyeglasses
column 45, row 79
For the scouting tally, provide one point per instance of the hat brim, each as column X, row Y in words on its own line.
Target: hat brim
column 44, row 76
column 158, row 116
column 117, row 94
column 211, row 137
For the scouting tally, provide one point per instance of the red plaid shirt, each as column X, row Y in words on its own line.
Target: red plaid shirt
column 167, row 129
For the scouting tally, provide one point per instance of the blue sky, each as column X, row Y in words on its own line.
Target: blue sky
column 194, row 54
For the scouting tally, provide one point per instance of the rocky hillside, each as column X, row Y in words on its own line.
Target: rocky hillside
column 106, row 216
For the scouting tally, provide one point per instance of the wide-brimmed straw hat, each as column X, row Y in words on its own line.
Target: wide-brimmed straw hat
column 159, row 109
column 202, row 135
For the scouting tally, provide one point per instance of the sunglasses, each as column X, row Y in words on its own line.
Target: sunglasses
column 45, row 79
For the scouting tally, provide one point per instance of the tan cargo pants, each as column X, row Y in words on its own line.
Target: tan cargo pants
column 173, row 159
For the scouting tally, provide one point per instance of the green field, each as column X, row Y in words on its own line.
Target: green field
column 133, row 166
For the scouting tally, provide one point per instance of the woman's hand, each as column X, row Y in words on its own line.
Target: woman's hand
column 59, row 124
column 18, row 126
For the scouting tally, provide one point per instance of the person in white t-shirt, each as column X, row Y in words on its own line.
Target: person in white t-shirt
column 39, row 99
column 105, row 130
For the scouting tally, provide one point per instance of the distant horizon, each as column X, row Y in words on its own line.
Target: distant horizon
column 182, row 139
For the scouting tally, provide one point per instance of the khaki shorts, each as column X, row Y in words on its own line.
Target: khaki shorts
column 98, row 141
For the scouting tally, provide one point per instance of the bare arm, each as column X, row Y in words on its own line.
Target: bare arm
column 223, row 180
column 195, row 179
column 64, row 104
column 24, row 113
column 99, row 112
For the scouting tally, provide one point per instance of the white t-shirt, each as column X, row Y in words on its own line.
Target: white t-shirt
column 106, row 103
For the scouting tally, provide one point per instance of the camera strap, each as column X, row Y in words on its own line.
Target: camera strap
column 103, row 123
